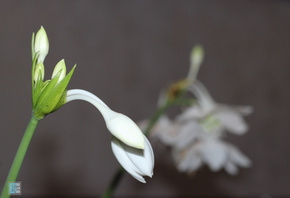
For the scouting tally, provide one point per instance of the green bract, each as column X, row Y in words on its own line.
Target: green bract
column 50, row 95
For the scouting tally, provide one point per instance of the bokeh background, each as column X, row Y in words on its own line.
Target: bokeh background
column 127, row 52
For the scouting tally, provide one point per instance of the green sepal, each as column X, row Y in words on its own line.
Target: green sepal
column 61, row 102
column 45, row 84
column 53, row 95
column 183, row 101
column 61, row 87
column 32, row 79
column 37, row 89
column 32, row 46
column 44, row 103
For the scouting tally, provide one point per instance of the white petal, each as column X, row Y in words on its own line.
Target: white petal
column 165, row 131
column 243, row 110
column 193, row 112
column 238, row 158
column 124, row 160
column 143, row 159
column 231, row 168
column 189, row 160
column 195, row 164
column 167, row 138
column 203, row 96
column 162, row 126
column 213, row 153
column 188, row 133
column 232, row 121
column 126, row 130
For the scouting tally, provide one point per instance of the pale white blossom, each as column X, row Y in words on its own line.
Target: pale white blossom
column 215, row 117
column 213, row 152
column 195, row 135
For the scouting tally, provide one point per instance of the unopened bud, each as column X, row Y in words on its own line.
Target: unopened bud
column 41, row 45
column 196, row 58
column 60, row 67
column 197, row 55
column 39, row 70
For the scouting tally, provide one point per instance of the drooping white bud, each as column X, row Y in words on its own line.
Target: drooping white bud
column 120, row 125
column 125, row 130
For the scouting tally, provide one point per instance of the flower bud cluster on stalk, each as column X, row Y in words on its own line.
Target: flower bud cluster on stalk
column 129, row 144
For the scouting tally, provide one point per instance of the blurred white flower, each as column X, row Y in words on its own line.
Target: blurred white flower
column 195, row 135
column 213, row 152
column 215, row 117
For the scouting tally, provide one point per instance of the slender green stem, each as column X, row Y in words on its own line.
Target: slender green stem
column 14, row 170
column 114, row 183
column 119, row 174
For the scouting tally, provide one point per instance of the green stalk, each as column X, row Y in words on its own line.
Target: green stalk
column 14, row 170
column 119, row 174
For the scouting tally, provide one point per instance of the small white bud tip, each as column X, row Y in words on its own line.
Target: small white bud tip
column 197, row 55
column 39, row 69
column 60, row 66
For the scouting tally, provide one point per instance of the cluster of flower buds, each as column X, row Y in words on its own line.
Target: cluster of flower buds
column 49, row 95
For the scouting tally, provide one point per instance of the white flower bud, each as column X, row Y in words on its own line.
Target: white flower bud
column 197, row 55
column 137, row 162
column 118, row 124
column 196, row 58
column 124, row 129
column 41, row 45
column 60, row 67
column 39, row 69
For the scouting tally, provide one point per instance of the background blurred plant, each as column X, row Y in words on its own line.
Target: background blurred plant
column 196, row 135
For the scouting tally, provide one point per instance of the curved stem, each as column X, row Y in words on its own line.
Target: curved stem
column 119, row 173
column 79, row 94
column 14, row 170
column 120, row 125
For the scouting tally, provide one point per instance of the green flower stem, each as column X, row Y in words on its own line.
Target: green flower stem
column 119, row 174
column 14, row 170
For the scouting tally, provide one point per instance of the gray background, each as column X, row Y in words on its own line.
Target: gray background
column 126, row 52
